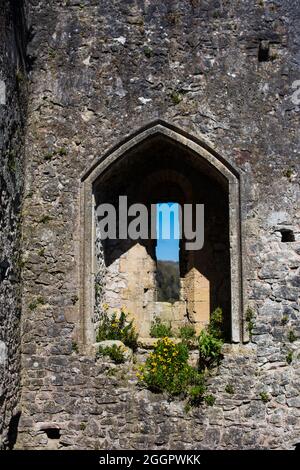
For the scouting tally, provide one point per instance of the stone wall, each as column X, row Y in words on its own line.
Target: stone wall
column 223, row 72
column 12, row 112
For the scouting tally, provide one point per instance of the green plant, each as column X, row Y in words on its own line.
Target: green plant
column 264, row 397
column 229, row 389
column 82, row 426
column 209, row 400
column 98, row 289
column 20, row 262
column 52, row 52
column 284, row 320
column 111, row 372
column 249, row 319
column 173, row 17
column 62, row 151
column 176, row 97
column 210, row 341
column 216, row 323
column 216, row 14
column 289, row 357
column 187, row 407
column 75, row 347
column 209, row 350
column 12, row 166
column 187, row 332
column 118, row 327
column 159, row 329
column 147, row 52
column 195, row 394
column 36, row 302
column 273, row 56
column 41, row 252
column 116, row 353
column 19, row 76
column 291, row 336
column 44, row 219
column 288, row 173
column 167, row 369
column 48, row 156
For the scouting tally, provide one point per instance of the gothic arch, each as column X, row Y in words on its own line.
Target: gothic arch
column 164, row 177
column 213, row 164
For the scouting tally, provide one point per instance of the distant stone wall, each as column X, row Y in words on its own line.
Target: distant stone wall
column 221, row 71
column 156, row 170
column 12, row 112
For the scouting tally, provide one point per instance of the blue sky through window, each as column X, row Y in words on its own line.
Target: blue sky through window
column 167, row 230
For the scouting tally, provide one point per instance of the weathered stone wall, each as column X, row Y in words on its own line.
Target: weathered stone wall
column 100, row 71
column 12, row 112
column 100, row 407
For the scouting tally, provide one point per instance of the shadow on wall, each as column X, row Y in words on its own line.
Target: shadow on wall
column 13, row 430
